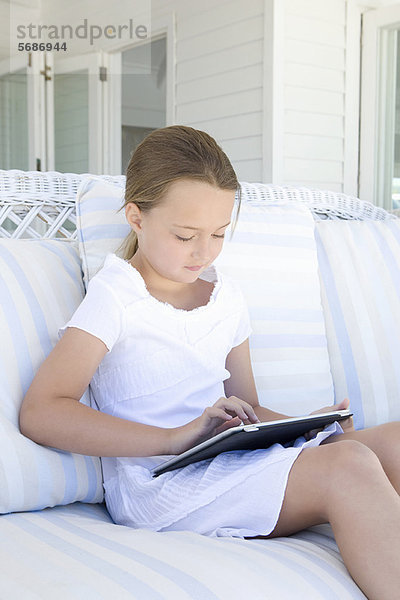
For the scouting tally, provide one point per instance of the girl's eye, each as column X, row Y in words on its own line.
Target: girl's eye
column 188, row 239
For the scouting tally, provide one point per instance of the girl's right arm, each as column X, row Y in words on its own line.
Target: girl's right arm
column 52, row 415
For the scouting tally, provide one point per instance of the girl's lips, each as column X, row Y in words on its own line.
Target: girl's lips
column 193, row 268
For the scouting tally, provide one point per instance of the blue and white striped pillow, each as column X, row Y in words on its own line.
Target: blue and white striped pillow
column 273, row 257
column 101, row 228
column 40, row 288
column 360, row 284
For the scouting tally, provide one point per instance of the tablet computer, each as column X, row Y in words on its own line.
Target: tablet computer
column 251, row 437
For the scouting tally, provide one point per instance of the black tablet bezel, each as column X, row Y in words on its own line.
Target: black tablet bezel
column 283, row 431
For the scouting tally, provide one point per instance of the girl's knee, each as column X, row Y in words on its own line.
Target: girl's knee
column 351, row 462
column 323, row 480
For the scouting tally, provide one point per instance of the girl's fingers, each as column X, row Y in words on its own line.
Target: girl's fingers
column 243, row 414
column 228, row 425
column 219, row 413
column 239, row 407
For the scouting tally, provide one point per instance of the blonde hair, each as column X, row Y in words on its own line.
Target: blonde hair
column 167, row 155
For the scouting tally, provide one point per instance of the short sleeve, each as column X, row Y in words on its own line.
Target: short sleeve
column 244, row 328
column 100, row 313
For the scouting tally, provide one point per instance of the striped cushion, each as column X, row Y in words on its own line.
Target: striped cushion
column 360, row 283
column 76, row 552
column 40, row 288
column 100, row 227
column 273, row 256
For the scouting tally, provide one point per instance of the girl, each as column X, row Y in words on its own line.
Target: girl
column 162, row 338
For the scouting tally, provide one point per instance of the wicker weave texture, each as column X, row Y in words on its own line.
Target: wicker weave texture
column 41, row 205
column 323, row 204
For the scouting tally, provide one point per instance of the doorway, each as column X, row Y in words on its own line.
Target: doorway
column 380, row 108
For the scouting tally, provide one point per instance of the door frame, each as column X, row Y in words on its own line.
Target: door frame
column 164, row 26
column 377, row 25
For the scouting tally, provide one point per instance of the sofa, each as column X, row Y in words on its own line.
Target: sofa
column 321, row 274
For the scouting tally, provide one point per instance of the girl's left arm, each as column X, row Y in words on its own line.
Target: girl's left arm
column 241, row 382
column 242, row 385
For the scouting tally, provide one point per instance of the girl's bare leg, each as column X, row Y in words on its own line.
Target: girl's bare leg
column 344, row 484
column 384, row 440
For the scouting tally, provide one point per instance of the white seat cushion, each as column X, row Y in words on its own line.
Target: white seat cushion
column 76, row 552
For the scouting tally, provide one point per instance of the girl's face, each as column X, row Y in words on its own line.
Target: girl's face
column 186, row 230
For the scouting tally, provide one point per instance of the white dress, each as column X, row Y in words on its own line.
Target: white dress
column 163, row 367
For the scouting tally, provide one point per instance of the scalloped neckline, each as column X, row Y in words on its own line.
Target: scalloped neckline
column 166, row 305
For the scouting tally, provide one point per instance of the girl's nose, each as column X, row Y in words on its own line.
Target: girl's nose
column 202, row 251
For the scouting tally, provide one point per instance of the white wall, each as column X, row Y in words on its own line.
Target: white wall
column 219, row 86
column 314, row 93
column 222, row 84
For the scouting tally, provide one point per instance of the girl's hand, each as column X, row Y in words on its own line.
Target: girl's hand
column 347, row 424
column 224, row 414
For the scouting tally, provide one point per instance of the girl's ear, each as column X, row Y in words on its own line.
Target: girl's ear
column 133, row 216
